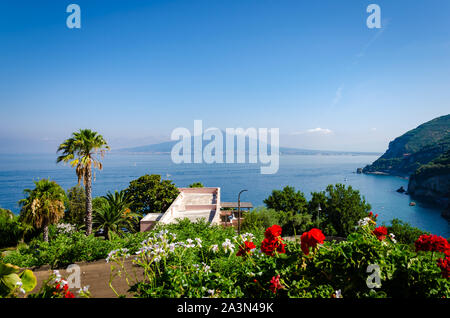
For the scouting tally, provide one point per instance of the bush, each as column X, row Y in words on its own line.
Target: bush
column 404, row 232
column 64, row 250
column 287, row 200
column 259, row 219
column 10, row 230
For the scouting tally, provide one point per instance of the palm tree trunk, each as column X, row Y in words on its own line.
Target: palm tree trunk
column 45, row 233
column 88, row 188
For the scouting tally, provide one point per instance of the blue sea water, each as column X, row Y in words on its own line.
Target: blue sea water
column 305, row 172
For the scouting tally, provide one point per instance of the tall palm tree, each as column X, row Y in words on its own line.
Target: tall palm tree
column 81, row 151
column 44, row 205
column 114, row 216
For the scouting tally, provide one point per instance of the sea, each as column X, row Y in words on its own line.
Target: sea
column 307, row 173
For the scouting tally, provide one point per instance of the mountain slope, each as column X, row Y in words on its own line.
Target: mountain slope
column 415, row 148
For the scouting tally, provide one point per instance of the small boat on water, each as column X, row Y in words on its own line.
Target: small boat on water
column 412, row 203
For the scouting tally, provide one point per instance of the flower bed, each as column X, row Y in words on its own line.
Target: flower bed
column 249, row 266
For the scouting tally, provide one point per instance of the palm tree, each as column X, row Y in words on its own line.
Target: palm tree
column 44, row 205
column 114, row 216
column 81, row 151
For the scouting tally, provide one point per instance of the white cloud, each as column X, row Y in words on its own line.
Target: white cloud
column 317, row 131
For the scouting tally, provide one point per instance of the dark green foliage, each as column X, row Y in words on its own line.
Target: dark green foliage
column 437, row 167
column 404, row 232
column 150, row 194
column 259, row 219
column 10, row 229
column 196, row 185
column 287, row 200
column 114, row 215
column 343, row 208
column 75, row 206
column 64, row 250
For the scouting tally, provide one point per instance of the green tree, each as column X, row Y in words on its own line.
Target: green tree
column 44, row 205
column 149, row 194
column 287, row 200
column 343, row 209
column 10, row 229
column 404, row 232
column 76, row 206
column 259, row 219
column 196, row 185
column 81, row 151
column 115, row 216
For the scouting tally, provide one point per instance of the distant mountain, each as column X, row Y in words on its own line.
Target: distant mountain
column 415, row 148
column 166, row 148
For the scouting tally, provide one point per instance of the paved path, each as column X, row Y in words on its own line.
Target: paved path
column 96, row 275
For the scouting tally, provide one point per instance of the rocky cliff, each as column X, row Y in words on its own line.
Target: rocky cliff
column 423, row 155
column 432, row 181
column 415, row 148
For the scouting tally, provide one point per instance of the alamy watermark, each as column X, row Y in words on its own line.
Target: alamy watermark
column 73, row 21
column 215, row 146
column 374, row 19
column 374, row 279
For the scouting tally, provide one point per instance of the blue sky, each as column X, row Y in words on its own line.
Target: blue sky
column 138, row 69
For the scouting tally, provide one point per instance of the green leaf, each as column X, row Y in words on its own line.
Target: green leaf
column 6, row 269
column 29, row 281
column 10, row 281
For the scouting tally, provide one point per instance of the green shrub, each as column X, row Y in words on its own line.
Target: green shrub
column 10, row 230
column 259, row 219
column 404, row 232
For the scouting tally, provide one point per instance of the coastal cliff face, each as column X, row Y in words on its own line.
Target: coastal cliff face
column 432, row 187
column 414, row 149
column 432, row 181
column 423, row 155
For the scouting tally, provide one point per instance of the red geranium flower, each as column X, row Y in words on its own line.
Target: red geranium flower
column 246, row 248
column 273, row 241
column 273, row 232
column 275, row 284
column 432, row 243
column 444, row 265
column 69, row 295
column 311, row 239
column 380, row 232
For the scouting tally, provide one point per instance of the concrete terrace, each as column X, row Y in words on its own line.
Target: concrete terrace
column 191, row 203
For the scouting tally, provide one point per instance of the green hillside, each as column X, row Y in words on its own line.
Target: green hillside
column 415, row 148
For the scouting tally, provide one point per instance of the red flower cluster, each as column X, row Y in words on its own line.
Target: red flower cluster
column 444, row 265
column 380, row 232
column 64, row 290
column 273, row 241
column 373, row 217
column 275, row 284
column 311, row 239
column 432, row 243
column 273, row 232
column 246, row 248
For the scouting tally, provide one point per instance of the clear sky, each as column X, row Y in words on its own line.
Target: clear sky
column 138, row 69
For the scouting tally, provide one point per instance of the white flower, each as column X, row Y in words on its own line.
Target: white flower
column 247, row 237
column 392, row 236
column 364, row 221
column 19, row 284
column 199, row 242
column 338, row 293
column 211, row 291
column 215, row 248
column 228, row 246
